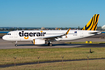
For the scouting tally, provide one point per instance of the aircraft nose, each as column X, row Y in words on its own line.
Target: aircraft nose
column 4, row 37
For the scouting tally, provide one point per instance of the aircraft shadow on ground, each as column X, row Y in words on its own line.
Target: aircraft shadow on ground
column 75, row 45
column 46, row 45
column 82, row 45
column 93, row 45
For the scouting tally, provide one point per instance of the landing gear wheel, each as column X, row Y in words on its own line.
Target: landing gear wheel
column 49, row 44
column 16, row 45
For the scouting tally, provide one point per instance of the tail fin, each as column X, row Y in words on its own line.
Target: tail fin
column 92, row 24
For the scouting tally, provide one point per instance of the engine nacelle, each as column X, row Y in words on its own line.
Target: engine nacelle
column 38, row 41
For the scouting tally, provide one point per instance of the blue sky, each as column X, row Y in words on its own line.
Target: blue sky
column 50, row 13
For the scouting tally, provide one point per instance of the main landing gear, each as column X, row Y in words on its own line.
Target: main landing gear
column 49, row 43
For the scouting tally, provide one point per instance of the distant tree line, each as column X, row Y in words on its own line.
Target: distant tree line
column 60, row 28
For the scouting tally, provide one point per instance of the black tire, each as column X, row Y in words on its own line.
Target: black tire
column 48, row 44
column 16, row 45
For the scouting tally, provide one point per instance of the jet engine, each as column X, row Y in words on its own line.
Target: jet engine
column 38, row 41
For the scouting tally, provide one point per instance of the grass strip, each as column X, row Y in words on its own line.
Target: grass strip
column 7, row 56
column 72, row 65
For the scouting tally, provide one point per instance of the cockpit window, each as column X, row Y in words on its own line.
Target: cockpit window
column 9, row 34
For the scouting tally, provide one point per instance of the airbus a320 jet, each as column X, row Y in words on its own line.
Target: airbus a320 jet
column 39, row 37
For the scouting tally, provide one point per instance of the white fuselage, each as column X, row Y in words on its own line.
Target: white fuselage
column 29, row 35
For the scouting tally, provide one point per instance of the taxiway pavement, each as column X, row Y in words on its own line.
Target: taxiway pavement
column 62, row 44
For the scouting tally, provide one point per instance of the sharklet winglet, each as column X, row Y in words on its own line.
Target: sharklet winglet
column 67, row 31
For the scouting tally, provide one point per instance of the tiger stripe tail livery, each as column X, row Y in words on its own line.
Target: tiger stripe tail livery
column 92, row 24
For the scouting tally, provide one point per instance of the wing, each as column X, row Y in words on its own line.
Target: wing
column 57, row 36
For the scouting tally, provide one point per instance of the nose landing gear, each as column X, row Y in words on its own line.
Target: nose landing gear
column 16, row 43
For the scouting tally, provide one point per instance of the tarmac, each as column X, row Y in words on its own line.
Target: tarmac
column 61, row 44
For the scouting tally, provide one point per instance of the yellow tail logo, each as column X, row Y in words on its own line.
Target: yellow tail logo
column 92, row 24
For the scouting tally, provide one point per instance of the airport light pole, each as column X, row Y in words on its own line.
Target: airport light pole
column 38, row 59
column 62, row 61
column 14, row 61
column 62, row 58
column 87, row 61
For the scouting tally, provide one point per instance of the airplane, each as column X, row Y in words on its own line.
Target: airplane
column 39, row 37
